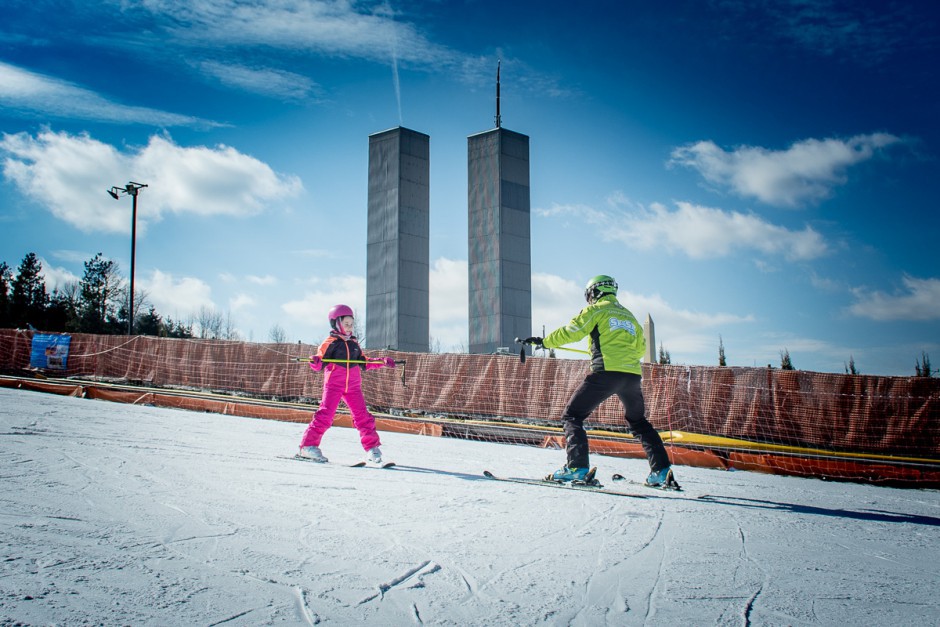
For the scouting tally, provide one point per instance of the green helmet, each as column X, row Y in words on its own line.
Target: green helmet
column 599, row 285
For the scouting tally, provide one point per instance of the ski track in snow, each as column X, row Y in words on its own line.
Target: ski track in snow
column 136, row 515
column 746, row 559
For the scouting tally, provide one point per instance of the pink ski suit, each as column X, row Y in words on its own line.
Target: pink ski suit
column 342, row 382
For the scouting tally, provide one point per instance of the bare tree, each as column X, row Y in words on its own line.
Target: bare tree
column 277, row 335
column 359, row 328
column 141, row 303
column 209, row 322
column 231, row 332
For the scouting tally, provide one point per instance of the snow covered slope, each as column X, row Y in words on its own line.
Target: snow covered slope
column 119, row 514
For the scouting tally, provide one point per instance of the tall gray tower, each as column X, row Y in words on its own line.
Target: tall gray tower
column 500, row 261
column 397, row 253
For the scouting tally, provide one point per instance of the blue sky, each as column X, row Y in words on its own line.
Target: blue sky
column 763, row 172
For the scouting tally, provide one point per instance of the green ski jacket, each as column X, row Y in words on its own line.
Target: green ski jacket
column 617, row 342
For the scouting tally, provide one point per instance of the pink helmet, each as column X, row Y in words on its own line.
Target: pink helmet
column 337, row 312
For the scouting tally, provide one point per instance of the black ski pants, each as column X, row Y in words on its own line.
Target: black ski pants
column 596, row 388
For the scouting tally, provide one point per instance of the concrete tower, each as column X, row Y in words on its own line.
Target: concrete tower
column 500, row 261
column 397, row 254
column 649, row 332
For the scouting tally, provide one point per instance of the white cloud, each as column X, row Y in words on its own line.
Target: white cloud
column 919, row 300
column 210, row 181
column 262, row 280
column 449, row 294
column 807, row 171
column 333, row 28
column 56, row 278
column 186, row 30
column 265, row 81
column 834, row 28
column 584, row 213
column 177, row 298
column 555, row 300
column 449, row 303
column 30, row 92
column 65, row 173
column 699, row 232
column 72, row 256
column 704, row 232
column 682, row 331
column 241, row 301
column 342, row 30
column 663, row 313
column 309, row 312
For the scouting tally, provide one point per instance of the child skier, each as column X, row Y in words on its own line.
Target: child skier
column 342, row 361
column 617, row 345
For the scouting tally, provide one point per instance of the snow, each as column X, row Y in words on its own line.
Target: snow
column 121, row 514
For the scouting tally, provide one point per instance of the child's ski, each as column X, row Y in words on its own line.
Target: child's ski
column 305, row 459
column 360, row 464
column 365, row 464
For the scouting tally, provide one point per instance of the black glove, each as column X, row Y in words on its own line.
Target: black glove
column 535, row 341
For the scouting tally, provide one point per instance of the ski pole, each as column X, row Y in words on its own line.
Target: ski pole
column 573, row 350
column 400, row 362
column 307, row 360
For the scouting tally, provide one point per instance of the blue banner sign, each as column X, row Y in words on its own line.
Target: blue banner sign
column 50, row 352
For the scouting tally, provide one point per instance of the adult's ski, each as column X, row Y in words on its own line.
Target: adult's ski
column 565, row 486
column 670, row 486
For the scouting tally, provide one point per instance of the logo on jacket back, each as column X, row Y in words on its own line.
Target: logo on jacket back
column 626, row 325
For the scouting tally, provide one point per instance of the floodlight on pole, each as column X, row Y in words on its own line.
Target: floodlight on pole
column 131, row 189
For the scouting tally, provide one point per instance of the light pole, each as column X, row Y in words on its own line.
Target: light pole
column 131, row 190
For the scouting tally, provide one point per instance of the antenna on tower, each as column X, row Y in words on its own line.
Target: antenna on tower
column 499, row 120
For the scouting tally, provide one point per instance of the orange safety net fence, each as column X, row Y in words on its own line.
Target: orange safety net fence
column 853, row 427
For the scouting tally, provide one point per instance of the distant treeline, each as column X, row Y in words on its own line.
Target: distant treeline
column 95, row 304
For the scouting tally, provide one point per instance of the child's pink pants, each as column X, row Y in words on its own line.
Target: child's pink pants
column 342, row 384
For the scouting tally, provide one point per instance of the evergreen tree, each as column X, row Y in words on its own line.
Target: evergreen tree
column 664, row 357
column 850, row 367
column 101, row 296
column 6, row 276
column 922, row 368
column 28, row 300
column 785, row 362
column 721, row 352
column 150, row 323
column 62, row 312
column 178, row 329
